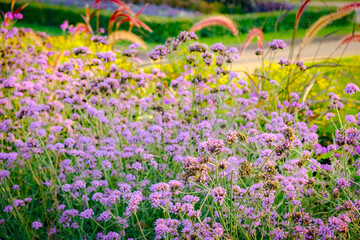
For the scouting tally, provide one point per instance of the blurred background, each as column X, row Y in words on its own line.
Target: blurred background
column 167, row 18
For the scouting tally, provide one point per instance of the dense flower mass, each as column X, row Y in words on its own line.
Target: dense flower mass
column 95, row 146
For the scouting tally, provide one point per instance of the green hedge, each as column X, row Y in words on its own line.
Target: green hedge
column 164, row 27
column 195, row 5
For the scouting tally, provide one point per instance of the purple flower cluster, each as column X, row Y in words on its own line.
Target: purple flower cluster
column 36, row 225
column 171, row 44
column 159, row 52
column 106, row 56
column 277, row 44
column 99, row 39
column 351, row 88
column 284, row 62
column 219, row 194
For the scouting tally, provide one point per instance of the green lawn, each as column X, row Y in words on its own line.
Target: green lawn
column 52, row 31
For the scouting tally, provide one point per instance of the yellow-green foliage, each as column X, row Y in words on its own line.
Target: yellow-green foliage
column 66, row 43
column 328, row 76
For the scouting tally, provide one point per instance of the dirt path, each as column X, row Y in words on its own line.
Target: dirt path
column 317, row 50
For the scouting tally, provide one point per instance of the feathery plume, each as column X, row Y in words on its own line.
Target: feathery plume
column 216, row 20
column 351, row 6
column 319, row 24
column 350, row 38
column 126, row 36
column 255, row 32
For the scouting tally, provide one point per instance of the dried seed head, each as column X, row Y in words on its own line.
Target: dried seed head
column 259, row 52
column 288, row 123
column 289, row 134
column 311, row 183
column 335, row 193
column 301, row 162
column 348, row 206
column 284, row 147
column 242, row 137
column 223, row 165
column 272, row 184
column 203, row 159
column 245, row 169
column 270, row 168
column 300, row 217
column 231, row 137
column 279, row 151
column 191, row 60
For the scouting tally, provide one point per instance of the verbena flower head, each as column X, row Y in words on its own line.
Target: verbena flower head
column 18, row 16
column 64, row 25
column 9, row 15
column 285, row 62
column 81, row 50
column 219, row 48
column 198, row 47
column 351, row 119
column 88, row 213
column 215, row 146
column 343, row 183
column 277, row 44
column 301, row 65
column 106, row 56
column 159, row 52
column 351, row 88
column 329, row 116
column 36, row 225
column 99, row 39
column 4, row 174
column 219, row 194
column 259, row 52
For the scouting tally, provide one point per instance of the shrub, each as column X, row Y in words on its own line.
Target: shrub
column 195, row 5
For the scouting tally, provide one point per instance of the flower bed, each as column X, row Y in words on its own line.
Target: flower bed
column 97, row 145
